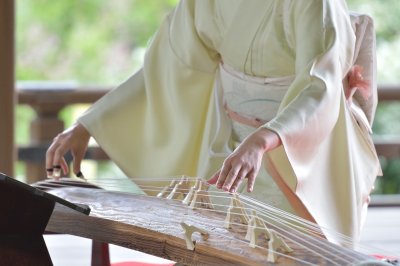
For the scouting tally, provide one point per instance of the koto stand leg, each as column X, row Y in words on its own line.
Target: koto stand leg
column 100, row 254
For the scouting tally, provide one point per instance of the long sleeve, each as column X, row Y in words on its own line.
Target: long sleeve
column 151, row 125
column 324, row 47
column 167, row 120
column 325, row 158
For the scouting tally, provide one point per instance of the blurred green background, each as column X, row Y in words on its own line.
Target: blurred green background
column 102, row 42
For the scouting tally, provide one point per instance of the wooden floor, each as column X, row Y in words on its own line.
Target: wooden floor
column 67, row 250
column 381, row 235
column 382, row 230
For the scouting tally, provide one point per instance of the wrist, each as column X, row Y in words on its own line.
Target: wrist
column 81, row 131
column 269, row 140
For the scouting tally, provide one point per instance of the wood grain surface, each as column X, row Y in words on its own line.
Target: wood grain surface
column 152, row 225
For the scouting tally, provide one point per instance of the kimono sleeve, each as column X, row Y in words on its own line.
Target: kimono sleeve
column 324, row 48
column 325, row 160
column 153, row 124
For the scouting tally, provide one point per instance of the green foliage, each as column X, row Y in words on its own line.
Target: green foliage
column 386, row 20
column 386, row 15
column 88, row 41
column 25, row 114
column 101, row 42
column 389, row 183
column 97, row 41
column 387, row 120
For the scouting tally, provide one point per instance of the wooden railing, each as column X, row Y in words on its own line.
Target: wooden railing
column 48, row 100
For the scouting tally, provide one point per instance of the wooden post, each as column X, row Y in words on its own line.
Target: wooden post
column 7, row 92
column 42, row 131
column 47, row 101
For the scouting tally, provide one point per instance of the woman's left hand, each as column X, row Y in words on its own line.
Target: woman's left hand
column 245, row 161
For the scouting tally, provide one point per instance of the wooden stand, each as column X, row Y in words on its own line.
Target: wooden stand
column 25, row 212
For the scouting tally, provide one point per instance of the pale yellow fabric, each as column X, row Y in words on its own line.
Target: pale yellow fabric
column 164, row 120
column 255, row 97
column 334, row 177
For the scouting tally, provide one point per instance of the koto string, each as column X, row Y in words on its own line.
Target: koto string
column 345, row 240
column 280, row 216
column 304, row 246
column 226, row 195
column 293, row 237
column 285, row 236
column 213, row 222
column 109, row 183
column 317, row 242
column 286, row 217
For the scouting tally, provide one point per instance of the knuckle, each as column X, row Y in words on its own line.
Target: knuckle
column 247, row 165
column 56, row 138
column 58, row 153
column 251, row 177
column 49, row 152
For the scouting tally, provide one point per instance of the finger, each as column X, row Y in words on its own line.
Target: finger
column 49, row 159
column 223, row 175
column 59, row 162
column 213, row 180
column 49, row 172
column 59, row 169
column 76, row 164
column 56, row 171
column 238, row 181
column 230, row 179
column 64, row 166
column 251, row 180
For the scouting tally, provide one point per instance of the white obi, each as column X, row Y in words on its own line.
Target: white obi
column 251, row 97
column 258, row 99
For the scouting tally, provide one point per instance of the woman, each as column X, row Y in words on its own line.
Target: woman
column 265, row 78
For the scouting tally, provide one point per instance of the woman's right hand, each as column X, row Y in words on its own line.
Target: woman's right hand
column 74, row 139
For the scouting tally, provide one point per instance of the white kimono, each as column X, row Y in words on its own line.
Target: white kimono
column 165, row 120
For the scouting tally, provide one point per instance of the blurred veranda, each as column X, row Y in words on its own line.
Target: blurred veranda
column 69, row 53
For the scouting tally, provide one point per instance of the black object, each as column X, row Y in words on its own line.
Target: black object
column 24, row 214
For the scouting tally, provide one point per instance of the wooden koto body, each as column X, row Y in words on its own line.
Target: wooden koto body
column 153, row 225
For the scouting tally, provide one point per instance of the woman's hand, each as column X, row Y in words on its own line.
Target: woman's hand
column 245, row 161
column 74, row 139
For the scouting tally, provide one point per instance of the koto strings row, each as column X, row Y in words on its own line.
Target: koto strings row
column 277, row 233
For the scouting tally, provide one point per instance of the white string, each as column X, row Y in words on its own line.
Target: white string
column 213, row 223
column 305, row 224
column 279, row 216
column 311, row 240
column 302, row 245
column 344, row 239
column 292, row 239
